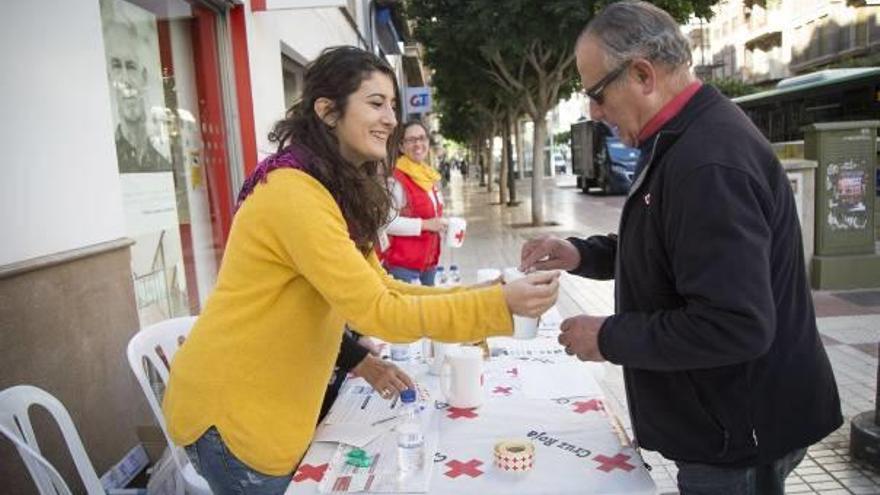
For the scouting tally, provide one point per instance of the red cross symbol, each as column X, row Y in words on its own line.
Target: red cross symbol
column 461, row 412
column 458, row 468
column 590, row 405
column 309, row 472
column 513, row 372
column 502, row 390
column 459, row 236
column 609, row 463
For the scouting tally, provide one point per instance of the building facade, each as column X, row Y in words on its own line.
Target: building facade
column 763, row 41
column 130, row 126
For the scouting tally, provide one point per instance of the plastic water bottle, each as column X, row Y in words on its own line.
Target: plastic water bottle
column 440, row 279
column 410, row 438
column 454, row 276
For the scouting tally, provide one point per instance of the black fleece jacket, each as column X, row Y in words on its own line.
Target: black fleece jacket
column 714, row 323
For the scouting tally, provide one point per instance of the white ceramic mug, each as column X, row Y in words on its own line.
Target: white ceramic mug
column 462, row 377
column 440, row 350
column 455, row 232
column 488, row 274
column 523, row 326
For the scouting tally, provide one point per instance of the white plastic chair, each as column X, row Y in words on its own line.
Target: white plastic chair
column 157, row 345
column 15, row 424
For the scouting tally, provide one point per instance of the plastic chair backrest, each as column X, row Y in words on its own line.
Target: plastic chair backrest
column 157, row 345
column 15, row 423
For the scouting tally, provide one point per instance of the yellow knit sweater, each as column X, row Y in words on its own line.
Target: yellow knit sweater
column 258, row 360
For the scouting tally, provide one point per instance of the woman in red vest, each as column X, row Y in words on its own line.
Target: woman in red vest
column 414, row 233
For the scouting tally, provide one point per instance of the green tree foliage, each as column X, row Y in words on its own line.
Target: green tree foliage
column 494, row 57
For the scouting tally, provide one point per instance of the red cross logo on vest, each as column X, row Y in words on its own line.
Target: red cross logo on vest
column 590, row 405
column 458, row 468
column 616, row 462
column 461, row 412
column 309, row 472
column 459, row 236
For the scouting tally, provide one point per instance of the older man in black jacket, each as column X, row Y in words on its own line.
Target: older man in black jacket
column 714, row 324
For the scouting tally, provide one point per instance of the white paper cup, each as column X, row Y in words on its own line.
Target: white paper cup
column 455, row 232
column 488, row 274
column 523, row 326
column 512, row 273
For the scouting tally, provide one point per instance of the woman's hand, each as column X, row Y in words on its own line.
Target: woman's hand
column 533, row 294
column 384, row 377
column 436, row 224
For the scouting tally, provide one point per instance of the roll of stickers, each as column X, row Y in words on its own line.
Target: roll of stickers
column 514, row 456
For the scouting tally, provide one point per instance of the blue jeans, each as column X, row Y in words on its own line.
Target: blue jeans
column 405, row 274
column 226, row 474
column 767, row 479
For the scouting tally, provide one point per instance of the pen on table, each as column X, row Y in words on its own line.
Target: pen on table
column 383, row 420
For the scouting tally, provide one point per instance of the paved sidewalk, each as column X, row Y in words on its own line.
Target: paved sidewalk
column 848, row 322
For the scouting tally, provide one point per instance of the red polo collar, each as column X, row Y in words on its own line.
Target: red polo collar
column 669, row 111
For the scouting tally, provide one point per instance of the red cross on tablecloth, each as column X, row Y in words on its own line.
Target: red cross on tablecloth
column 591, row 405
column 458, row 468
column 513, row 372
column 502, row 390
column 309, row 472
column 616, row 462
column 461, row 412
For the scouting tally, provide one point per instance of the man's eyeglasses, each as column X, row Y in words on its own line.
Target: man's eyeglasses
column 415, row 140
column 595, row 92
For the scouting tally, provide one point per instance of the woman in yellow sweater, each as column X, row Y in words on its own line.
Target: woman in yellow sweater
column 246, row 387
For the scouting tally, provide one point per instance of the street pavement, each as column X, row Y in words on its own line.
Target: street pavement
column 849, row 322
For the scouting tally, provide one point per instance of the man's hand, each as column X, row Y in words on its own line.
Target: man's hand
column 385, row 378
column 548, row 253
column 533, row 294
column 580, row 337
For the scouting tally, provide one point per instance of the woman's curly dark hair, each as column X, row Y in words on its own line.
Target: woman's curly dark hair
column 361, row 191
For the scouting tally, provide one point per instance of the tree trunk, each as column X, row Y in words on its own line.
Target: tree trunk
column 520, row 157
column 505, row 163
column 511, row 182
column 538, row 170
column 487, row 150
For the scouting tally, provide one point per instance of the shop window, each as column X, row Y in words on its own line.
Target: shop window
column 171, row 146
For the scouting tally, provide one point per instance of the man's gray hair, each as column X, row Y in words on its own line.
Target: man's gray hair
column 631, row 29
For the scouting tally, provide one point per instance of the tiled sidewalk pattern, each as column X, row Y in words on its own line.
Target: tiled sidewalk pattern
column 850, row 331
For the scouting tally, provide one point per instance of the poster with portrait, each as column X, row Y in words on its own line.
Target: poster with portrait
column 141, row 128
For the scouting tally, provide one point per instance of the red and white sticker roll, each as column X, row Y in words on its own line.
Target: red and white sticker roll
column 514, row 456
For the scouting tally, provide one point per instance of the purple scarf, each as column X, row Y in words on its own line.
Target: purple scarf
column 293, row 156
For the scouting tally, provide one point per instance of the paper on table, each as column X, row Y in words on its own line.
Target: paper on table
column 539, row 347
column 363, row 409
column 383, row 473
column 355, row 434
column 551, row 318
column 553, row 381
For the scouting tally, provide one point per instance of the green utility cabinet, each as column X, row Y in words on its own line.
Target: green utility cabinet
column 845, row 253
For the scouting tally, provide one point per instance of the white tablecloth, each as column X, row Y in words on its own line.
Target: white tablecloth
column 578, row 446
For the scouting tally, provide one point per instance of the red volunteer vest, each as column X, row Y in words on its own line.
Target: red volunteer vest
column 419, row 252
